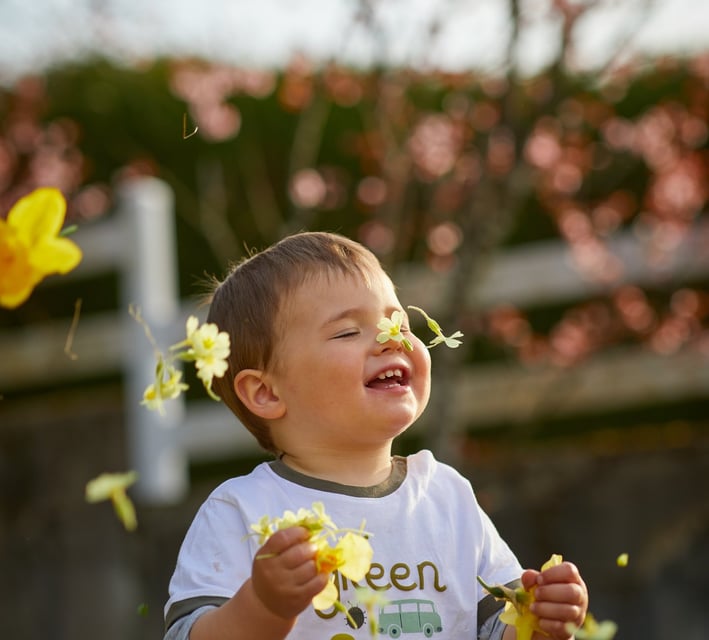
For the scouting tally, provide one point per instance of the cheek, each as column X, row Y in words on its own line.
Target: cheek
column 421, row 359
column 421, row 356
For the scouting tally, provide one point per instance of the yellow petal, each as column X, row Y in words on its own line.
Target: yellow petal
column 191, row 326
column 124, row 510
column 326, row 598
column 509, row 615
column 103, row 487
column 357, row 554
column 13, row 299
column 554, row 561
column 17, row 276
column 55, row 255
column 526, row 625
column 38, row 215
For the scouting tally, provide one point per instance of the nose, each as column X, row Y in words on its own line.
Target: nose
column 394, row 343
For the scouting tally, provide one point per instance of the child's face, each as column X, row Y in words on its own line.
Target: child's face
column 329, row 365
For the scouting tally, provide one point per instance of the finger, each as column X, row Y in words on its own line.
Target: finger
column 316, row 584
column 564, row 572
column 553, row 628
column 559, row 611
column 529, row 578
column 282, row 540
column 288, row 549
column 564, row 592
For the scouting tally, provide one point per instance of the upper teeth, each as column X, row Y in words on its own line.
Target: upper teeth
column 389, row 373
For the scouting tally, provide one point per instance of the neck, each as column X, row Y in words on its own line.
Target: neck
column 356, row 469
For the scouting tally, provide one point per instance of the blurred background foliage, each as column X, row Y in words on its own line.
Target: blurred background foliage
column 440, row 169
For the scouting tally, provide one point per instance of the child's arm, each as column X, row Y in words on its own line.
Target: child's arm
column 282, row 584
column 560, row 597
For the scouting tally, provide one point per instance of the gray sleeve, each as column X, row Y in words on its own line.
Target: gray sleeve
column 492, row 628
column 180, row 629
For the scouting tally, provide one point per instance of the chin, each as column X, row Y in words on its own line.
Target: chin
column 398, row 427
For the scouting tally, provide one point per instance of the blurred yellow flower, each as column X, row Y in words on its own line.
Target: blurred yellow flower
column 167, row 386
column 112, row 486
column 517, row 611
column 372, row 601
column 450, row 341
column 351, row 554
column 30, row 248
column 391, row 330
column 592, row 630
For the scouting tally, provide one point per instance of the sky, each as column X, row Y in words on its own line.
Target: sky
column 266, row 33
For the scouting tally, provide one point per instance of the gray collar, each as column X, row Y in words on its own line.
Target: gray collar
column 391, row 484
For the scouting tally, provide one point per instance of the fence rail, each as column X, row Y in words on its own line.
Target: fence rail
column 138, row 243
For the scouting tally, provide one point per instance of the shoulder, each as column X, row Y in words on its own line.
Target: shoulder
column 236, row 500
column 423, row 464
column 239, row 487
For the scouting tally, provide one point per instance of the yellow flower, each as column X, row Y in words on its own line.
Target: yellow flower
column 517, row 611
column 30, row 248
column 204, row 345
column 351, row 554
column 592, row 630
column 355, row 555
column 314, row 520
column 167, row 386
column 208, row 348
column 450, row 341
column 112, row 486
column 206, row 341
column 391, row 330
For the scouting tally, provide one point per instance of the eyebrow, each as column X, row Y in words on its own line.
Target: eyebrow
column 345, row 313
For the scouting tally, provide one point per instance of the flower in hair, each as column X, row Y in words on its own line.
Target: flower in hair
column 208, row 348
column 204, row 345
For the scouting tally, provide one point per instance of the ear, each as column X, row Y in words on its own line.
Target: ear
column 254, row 389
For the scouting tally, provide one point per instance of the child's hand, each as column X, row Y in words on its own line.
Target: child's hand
column 285, row 578
column 560, row 597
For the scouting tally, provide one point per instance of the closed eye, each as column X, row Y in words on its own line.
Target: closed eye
column 346, row 334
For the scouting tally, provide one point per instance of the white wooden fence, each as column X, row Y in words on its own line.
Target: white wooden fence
column 138, row 242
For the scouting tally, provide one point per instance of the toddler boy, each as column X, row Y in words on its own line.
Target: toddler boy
column 308, row 377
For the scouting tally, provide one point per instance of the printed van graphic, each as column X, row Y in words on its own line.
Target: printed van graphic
column 409, row 616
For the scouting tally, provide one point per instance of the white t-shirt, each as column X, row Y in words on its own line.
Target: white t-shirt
column 430, row 539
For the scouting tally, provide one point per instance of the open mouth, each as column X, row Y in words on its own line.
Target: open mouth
column 389, row 378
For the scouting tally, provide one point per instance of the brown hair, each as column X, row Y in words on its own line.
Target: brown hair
column 248, row 302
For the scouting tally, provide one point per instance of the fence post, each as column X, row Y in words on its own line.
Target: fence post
column 150, row 283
